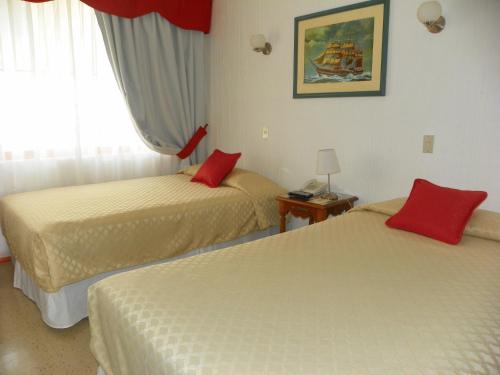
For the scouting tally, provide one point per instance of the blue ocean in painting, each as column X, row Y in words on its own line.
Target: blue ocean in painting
column 316, row 78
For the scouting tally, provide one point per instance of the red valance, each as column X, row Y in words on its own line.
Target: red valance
column 187, row 14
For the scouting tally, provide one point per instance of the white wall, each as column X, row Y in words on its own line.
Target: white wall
column 446, row 84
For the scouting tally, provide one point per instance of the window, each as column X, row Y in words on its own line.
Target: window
column 62, row 115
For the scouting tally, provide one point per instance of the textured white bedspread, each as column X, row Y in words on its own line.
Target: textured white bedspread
column 348, row 296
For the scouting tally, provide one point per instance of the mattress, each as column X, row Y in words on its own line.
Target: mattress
column 65, row 235
column 345, row 296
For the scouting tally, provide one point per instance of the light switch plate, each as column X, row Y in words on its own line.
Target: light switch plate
column 265, row 132
column 428, row 144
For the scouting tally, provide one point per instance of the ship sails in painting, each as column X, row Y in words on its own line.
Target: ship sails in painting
column 340, row 52
column 340, row 58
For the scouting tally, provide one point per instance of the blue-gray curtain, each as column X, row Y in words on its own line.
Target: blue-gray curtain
column 160, row 69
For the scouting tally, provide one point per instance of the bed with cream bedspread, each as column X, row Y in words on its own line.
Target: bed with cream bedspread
column 64, row 235
column 345, row 296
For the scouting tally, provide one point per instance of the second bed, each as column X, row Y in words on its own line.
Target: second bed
column 65, row 236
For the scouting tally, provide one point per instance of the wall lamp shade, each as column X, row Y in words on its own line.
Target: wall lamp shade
column 430, row 14
column 259, row 44
column 327, row 162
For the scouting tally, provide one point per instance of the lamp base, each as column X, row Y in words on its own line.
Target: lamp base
column 436, row 26
column 330, row 196
column 265, row 50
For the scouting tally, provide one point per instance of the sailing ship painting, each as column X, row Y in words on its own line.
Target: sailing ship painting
column 340, row 52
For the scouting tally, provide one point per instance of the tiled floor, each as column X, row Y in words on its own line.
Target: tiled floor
column 29, row 347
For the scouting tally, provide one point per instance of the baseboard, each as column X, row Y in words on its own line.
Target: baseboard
column 5, row 260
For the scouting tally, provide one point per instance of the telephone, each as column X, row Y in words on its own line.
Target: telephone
column 314, row 187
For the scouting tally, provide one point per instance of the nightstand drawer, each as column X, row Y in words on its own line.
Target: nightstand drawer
column 314, row 211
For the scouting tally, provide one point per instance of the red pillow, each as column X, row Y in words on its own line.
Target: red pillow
column 216, row 168
column 437, row 212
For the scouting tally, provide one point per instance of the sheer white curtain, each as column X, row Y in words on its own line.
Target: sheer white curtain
column 63, row 120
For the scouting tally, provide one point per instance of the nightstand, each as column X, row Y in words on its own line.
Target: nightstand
column 314, row 209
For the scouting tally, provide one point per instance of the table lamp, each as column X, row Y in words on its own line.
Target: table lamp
column 327, row 163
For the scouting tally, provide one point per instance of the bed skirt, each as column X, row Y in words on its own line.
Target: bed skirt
column 68, row 306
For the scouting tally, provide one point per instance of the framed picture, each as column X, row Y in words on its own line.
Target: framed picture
column 342, row 51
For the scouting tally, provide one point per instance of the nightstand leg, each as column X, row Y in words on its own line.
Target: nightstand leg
column 283, row 211
column 321, row 216
column 282, row 223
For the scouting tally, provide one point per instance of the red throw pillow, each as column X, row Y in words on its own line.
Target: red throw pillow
column 437, row 212
column 217, row 166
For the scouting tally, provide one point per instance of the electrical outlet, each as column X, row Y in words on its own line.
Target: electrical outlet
column 265, row 132
column 428, row 144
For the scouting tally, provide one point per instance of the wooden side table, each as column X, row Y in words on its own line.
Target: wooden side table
column 314, row 211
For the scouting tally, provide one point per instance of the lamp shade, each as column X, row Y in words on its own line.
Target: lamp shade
column 327, row 162
column 429, row 12
column 258, row 41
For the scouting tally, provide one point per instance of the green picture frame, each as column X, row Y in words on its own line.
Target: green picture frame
column 342, row 52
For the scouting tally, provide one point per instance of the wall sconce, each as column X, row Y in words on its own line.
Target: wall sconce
column 429, row 13
column 259, row 44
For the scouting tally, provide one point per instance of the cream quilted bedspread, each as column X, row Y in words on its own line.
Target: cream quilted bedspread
column 64, row 235
column 347, row 296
